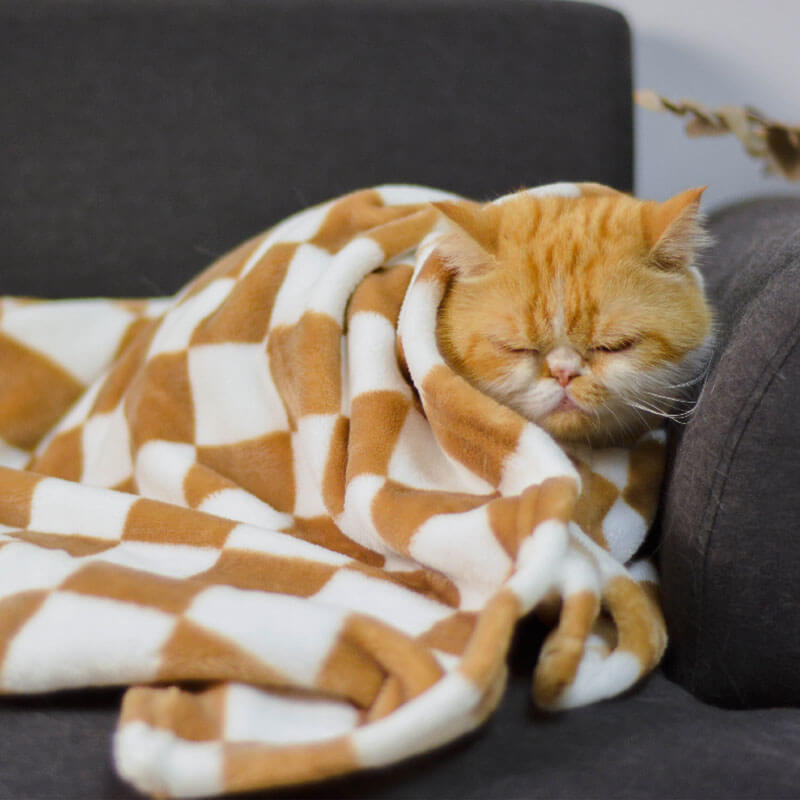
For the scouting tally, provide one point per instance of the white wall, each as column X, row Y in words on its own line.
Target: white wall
column 719, row 52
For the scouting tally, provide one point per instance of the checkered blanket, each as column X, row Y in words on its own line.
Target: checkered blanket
column 271, row 506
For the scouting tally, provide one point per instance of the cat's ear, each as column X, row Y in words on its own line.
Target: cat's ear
column 673, row 229
column 472, row 243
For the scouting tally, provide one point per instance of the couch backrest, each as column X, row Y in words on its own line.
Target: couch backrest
column 140, row 139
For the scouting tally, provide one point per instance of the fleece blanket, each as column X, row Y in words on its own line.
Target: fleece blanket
column 271, row 507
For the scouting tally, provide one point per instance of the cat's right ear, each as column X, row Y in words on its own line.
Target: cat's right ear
column 471, row 246
column 673, row 229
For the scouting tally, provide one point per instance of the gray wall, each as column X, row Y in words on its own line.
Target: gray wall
column 719, row 52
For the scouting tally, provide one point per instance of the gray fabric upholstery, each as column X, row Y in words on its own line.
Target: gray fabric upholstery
column 659, row 742
column 730, row 549
column 142, row 138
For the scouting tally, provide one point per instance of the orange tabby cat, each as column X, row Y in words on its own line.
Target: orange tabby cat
column 585, row 314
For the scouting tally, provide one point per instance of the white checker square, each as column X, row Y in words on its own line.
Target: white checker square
column 349, row 266
column 436, row 716
column 305, row 270
column 643, row 570
column 400, row 194
column 540, row 562
column 297, row 228
column 535, row 458
column 233, row 394
column 106, row 449
column 463, row 547
column 612, row 464
column 170, row 560
column 79, row 335
column 13, row 457
column 371, row 355
column 310, row 445
column 290, row 634
column 402, row 608
column 624, row 530
column 253, row 715
column 70, row 508
column 281, row 545
column 418, row 461
column 161, row 468
column 76, row 415
column 356, row 519
column 179, row 323
column 161, row 764
column 9, row 529
column 25, row 567
column 417, row 328
column 239, row 505
column 77, row 640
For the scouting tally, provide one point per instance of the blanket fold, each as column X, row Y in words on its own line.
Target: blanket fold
column 271, row 507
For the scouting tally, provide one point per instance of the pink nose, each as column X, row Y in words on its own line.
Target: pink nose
column 563, row 374
column 564, row 364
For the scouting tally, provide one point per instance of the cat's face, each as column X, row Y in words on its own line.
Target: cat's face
column 583, row 314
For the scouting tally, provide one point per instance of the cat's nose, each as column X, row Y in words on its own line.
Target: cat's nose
column 563, row 376
column 564, row 364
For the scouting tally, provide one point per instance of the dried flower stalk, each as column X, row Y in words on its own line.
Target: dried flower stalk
column 775, row 142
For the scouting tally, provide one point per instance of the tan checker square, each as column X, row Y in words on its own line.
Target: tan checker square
column 245, row 313
column 304, row 359
column 125, row 368
column 159, row 402
column 259, row 571
column 16, row 497
column 323, row 531
column 151, row 521
column 128, row 585
column 34, row 393
column 354, row 214
column 195, row 653
column 376, row 419
column 75, row 544
column 398, row 511
column 263, row 466
column 382, row 292
column 334, row 478
column 63, row 456
column 15, row 611
column 472, row 428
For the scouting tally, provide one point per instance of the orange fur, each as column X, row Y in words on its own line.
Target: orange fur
column 574, row 311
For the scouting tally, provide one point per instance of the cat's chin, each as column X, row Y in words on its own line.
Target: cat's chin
column 575, row 426
column 568, row 422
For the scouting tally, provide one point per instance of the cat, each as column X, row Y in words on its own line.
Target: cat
column 587, row 315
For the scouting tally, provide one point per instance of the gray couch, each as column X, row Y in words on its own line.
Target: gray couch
column 141, row 138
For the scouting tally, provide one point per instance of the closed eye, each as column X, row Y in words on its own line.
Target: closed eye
column 513, row 348
column 615, row 347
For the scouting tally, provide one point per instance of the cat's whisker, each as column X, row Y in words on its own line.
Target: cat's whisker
column 688, row 408
column 693, row 380
column 671, row 400
column 679, row 417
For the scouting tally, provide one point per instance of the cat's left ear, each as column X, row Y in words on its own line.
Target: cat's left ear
column 673, row 229
column 471, row 247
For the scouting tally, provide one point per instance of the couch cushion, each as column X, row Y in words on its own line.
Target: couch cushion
column 658, row 742
column 143, row 137
column 730, row 551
